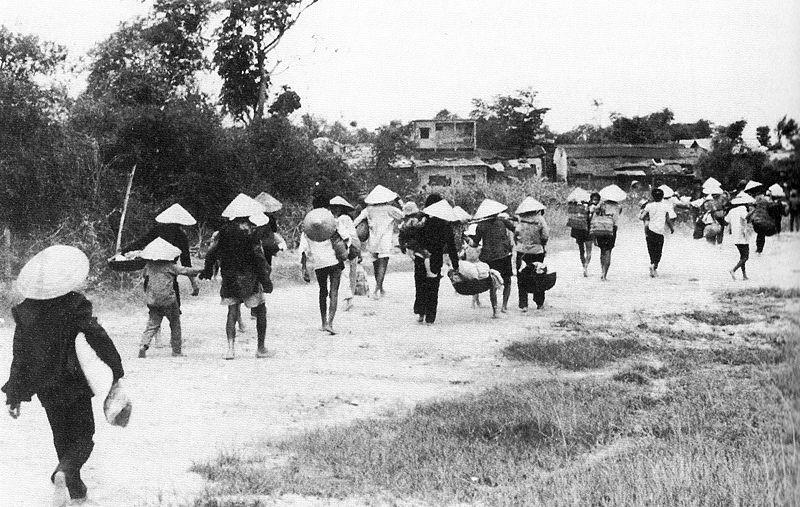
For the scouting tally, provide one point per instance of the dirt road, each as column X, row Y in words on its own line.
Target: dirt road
column 188, row 409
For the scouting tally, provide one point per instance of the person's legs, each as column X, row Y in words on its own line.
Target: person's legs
column 151, row 329
column 72, row 425
column 588, row 246
column 322, row 281
column 173, row 314
column 538, row 296
column 582, row 251
column 760, row 240
column 431, row 299
column 380, row 265
column 234, row 311
column 260, row 312
column 419, row 288
column 605, row 263
column 335, row 277
column 521, row 293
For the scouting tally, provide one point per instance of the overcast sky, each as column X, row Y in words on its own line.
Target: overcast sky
column 372, row 61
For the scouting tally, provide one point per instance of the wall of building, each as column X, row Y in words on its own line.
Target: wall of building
column 444, row 135
column 432, row 177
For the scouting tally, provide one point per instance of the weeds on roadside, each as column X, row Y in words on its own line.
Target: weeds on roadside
column 575, row 354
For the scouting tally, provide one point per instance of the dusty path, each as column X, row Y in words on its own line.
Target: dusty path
column 188, row 409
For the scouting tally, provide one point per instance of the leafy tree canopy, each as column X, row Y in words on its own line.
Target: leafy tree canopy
column 509, row 121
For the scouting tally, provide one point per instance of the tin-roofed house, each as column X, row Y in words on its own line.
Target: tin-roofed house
column 597, row 165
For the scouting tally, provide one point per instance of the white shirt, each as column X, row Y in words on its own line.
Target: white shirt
column 320, row 253
column 658, row 212
column 347, row 230
column 739, row 228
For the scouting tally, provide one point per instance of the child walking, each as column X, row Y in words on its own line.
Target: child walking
column 161, row 295
column 45, row 363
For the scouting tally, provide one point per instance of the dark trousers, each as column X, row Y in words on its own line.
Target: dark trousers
column 655, row 245
column 72, row 423
column 156, row 315
column 427, row 292
column 538, row 296
column 760, row 240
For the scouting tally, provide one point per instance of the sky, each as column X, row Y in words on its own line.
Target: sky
column 372, row 61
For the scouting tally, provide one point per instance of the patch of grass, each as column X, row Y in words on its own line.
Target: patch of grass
column 764, row 292
column 666, row 332
column 717, row 318
column 575, row 354
column 686, row 359
column 633, row 377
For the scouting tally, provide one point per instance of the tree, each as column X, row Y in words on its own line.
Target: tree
column 250, row 31
column 509, row 121
column 444, row 115
column 286, row 103
column 584, row 134
column 652, row 128
column 787, row 128
column 762, row 134
column 700, row 129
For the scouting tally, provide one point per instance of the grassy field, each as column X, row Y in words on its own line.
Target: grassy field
column 701, row 408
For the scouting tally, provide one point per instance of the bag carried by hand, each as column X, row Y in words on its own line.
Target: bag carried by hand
column 362, row 229
column 117, row 407
column 339, row 247
column 602, row 226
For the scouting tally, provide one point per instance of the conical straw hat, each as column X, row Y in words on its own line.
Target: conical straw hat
column 461, row 214
column 341, row 201
column 380, row 195
column 578, row 195
column 668, row 192
column 53, row 272
column 711, row 182
column 613, row 193
column 529, row 205
column 242, row 206
column 713, row 190
column 269, row 203
column 489, row 208
column 160, row 250
column 743, row 198
column 751, row 185
column 176, row 214
column 776, row 191
column 259, row 219
column 441, row 209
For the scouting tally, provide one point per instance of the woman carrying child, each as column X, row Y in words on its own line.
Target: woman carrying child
column 433, row 240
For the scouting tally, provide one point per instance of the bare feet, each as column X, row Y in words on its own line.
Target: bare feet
column 348, row 304
column 329, row 329
column 421, row 319
column 262, row 352
column 652, row 271
column 733, row 274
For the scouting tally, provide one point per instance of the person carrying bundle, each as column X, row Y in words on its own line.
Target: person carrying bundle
column 604, row 223
column 492, row 233
column 45, row 362
column 381, row 218
column 530, row 238
column 160, row 279
column 436, row 238
column 580, row 206
column 245, row 272
column 739, row 230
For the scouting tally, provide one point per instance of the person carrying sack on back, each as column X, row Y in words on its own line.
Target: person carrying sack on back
column 658, row 215
column 45, row 362
column 160, row 279
column 245, row 272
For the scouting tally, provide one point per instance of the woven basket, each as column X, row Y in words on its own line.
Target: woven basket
column 602, row 226
column 469, row 287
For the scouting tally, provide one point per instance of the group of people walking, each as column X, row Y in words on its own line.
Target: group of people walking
column 486, row 248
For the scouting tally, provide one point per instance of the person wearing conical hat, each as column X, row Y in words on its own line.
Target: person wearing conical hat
column 342, row 209
column 244, row 269
column 435, row 238
column 658, row 216
column 160, row 279
column 608, row 207
column 739, row 230
column 170, row 226
column 493, row 231
column 382, row 218
column 530, row 239
column 45, row 362
column 767, row 216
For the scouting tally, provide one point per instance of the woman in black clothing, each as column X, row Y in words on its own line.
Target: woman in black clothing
column 437, row 238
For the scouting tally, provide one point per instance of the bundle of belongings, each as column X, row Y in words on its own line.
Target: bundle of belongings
column 535, row 277
column 474, row 277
